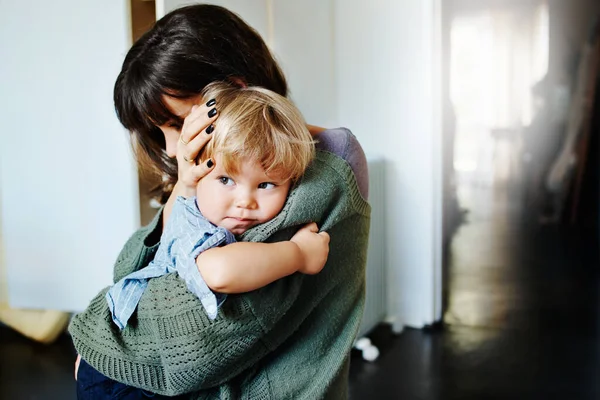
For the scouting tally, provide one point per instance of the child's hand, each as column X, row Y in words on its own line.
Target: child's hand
column 314, row 246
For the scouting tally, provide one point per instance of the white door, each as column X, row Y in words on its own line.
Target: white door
column 68, row 183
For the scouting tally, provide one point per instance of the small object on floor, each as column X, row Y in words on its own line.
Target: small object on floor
column 369, row 352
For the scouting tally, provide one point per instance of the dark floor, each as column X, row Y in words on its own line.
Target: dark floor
column 523, row 322
column 30, row 370
column 523, row 317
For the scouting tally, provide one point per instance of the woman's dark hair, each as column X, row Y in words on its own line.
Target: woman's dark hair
column 183, row 52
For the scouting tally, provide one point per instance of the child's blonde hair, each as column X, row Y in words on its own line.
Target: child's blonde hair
column 258, row 124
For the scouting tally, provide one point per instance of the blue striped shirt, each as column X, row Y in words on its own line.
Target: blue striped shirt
column 186, row 235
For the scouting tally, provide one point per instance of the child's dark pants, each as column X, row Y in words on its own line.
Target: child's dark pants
column 92, row 385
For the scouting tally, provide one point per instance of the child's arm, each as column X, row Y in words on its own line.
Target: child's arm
column 244, row 266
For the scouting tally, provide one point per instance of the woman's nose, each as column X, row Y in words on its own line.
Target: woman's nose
column 171, row 136
column 170, row 146
column 171, row 150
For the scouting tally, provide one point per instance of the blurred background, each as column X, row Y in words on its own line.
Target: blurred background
column 521, row 146
column 480, row 120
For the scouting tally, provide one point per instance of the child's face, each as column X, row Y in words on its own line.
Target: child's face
column 239, row 202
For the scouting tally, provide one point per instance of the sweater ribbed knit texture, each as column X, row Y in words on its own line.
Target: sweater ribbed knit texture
column 288, row 340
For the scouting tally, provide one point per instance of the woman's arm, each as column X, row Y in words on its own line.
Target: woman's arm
column 174, row 348
column 244, row 266
column 250, row 326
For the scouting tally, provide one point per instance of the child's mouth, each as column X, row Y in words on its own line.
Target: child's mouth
column 242, row 221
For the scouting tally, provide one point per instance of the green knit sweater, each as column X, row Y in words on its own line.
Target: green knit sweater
column 288, row 340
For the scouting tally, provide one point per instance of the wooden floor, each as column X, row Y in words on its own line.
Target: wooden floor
column 523, row 322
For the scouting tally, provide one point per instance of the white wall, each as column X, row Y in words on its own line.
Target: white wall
column 303, row 42
column 254, row 12
column 370, row 66
column 374, row 67
column 69, row 187
column 300, row 35
column 387, row 93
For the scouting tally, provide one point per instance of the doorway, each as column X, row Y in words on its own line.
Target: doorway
column 511, row 76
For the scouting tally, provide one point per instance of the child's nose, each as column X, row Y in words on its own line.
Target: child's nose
column 245, row 200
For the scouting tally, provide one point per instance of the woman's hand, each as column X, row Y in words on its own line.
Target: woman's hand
column 195, row 133
column 77, row 361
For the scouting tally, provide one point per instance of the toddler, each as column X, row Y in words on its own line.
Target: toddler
column 261, row 146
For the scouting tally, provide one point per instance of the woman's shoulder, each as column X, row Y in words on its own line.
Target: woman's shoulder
column 341, row 142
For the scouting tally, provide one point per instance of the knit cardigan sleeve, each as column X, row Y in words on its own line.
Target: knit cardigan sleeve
column 171, row 347
column 140, row 249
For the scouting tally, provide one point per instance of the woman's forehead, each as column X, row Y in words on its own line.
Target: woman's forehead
column 181, row 108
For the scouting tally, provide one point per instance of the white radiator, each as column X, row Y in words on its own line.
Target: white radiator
column 375, row 307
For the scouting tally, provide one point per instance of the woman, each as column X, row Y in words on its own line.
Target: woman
column 291, row 339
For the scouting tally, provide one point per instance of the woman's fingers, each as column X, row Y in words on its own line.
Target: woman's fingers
column 194, row 147
column 196, row 172
column 196, row 132
column 201, row 170
column 197, row 121
column 77, row 361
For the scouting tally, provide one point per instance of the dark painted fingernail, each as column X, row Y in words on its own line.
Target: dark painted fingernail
column 210, row 129
column 210, row 163
column 212, row 113
column 211, row 103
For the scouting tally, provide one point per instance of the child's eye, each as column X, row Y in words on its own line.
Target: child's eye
column 226, row 181
column 266, row 185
